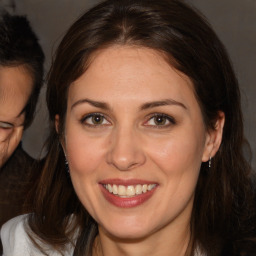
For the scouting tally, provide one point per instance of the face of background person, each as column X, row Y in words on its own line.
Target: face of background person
column 135, row 139
column 15, row 88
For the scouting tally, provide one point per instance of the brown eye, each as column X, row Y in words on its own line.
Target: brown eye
column 95, row 119
column 160, row 120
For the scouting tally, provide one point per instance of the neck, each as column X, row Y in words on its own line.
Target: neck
column 164, row 242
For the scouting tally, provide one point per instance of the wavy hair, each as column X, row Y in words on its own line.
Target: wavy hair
column 223, row 211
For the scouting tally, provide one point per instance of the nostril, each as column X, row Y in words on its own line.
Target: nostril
column 132, row 165
column 126, row 162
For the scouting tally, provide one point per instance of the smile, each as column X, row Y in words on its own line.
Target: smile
column 128, row 191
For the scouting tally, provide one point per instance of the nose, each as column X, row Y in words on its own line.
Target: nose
column 125, row 151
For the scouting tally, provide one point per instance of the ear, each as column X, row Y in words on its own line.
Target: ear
column 57, row 128
column 214, row 138
column 57, row 123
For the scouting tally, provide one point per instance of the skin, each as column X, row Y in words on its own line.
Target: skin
column 15, row 88
column 130, row 144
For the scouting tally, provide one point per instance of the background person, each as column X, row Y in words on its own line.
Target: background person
column 21, row 78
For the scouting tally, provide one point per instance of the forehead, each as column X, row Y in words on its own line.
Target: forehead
column 129, row 71
column 16, row 79
column 16, row 85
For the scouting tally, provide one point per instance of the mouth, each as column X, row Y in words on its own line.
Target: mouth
column 126, row 194
column 128, row 191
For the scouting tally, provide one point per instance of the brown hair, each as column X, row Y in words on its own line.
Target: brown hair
column 223, row 209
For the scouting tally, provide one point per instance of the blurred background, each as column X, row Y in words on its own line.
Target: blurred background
column 233, row 20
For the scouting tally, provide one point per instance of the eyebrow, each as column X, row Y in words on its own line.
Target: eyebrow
column 147, row 105
column 166, row 102
column 97, row 104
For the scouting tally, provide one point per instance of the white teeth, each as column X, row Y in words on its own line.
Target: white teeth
column 138, row 189
column 114, row 189
column 110, row 188
column 130, row 190
column 151, row 186
column 121, row 190
column 144, row 188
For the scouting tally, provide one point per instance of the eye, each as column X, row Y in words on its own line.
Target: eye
column 5, row 125
column 95, row 119
column 160, row 120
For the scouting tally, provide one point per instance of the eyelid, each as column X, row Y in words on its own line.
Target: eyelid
column 6, row 125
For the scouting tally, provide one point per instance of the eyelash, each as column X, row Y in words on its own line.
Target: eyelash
column 170, row 119
column 167, row 118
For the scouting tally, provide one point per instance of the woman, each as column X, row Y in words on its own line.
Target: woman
column 145, row 151
column 21, row 75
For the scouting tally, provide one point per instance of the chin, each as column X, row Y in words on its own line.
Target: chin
column 128, row 235
column 128, row 231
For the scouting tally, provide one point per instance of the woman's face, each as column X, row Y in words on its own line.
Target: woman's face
column 15, row 88
column 135, row 140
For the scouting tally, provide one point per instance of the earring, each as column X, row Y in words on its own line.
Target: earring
column 210, row 162
column 66, row 164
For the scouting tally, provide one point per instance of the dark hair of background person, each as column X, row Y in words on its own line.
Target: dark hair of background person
column 19, row 46
column 222, row 221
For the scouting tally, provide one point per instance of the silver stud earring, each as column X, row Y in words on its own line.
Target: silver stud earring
column 210, row 162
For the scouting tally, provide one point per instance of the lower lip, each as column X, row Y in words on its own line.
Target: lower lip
column 127, row 202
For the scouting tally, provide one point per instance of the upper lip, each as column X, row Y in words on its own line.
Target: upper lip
column 126, row 182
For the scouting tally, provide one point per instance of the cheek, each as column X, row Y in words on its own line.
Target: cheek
column 179, row 159
column 176, row 153
column 5, row 134
column 8, row 146
column 84, row 153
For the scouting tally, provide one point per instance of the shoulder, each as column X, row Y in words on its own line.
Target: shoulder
column 14, row 237
column 16, row 241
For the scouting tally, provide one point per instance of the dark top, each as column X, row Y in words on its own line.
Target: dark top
column 14, row 178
